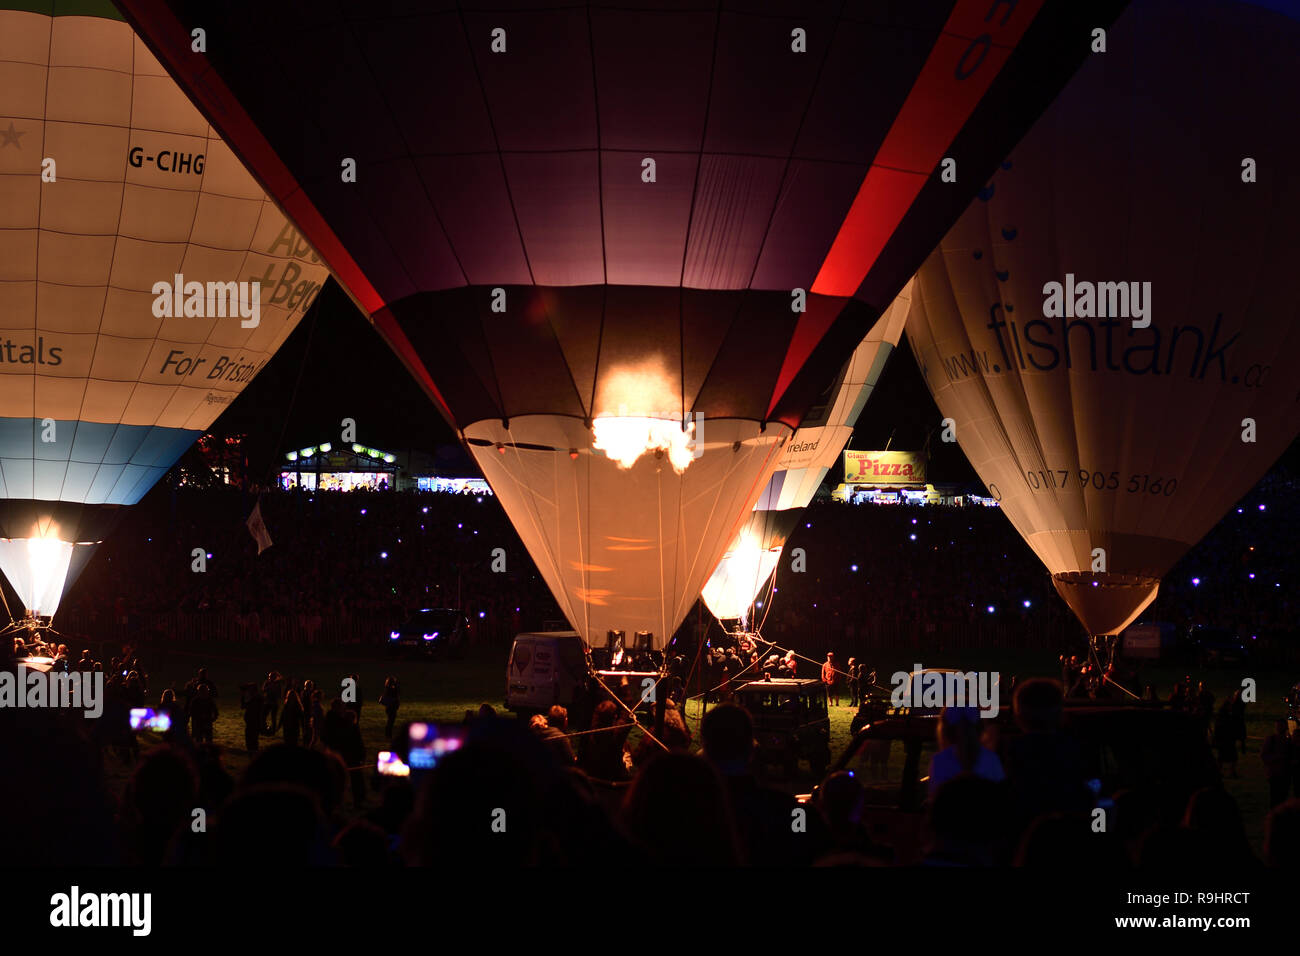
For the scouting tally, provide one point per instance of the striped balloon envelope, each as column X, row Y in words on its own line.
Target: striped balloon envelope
column 623, row 247
column 1112, row 325
column 145, row 278
column 750, row 560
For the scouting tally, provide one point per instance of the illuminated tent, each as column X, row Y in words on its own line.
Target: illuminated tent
column 586, row 225
column 1114, row 447
column 111, row 182
column 814, row 449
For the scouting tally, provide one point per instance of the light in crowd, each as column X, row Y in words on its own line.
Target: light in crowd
column 1196, row 582
column 1025, row 603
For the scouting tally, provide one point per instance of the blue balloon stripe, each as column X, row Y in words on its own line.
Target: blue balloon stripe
column 86, row 462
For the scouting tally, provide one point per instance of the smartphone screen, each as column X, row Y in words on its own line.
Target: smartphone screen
column 428, row 744
column 146, row 718
column 391, row 765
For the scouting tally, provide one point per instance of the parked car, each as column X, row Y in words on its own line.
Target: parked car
column 1160, row 751
column 791, row 723
column 430, row 631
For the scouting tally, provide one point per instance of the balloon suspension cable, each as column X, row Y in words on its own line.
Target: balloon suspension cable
column 1101, row 661
column 632, row 713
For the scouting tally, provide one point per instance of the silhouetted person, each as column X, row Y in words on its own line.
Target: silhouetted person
column 1045, row 766
column 285, row 817
column 272, row 694
column 552, row 733
column 353, row 751
column 179, row 733
column 961, row 751
column 1212, row 816
column 320, row 772
column 960, row 825
column 354, row 705
column 1225, row 737
column 331, row 734
column 291, row 718
column 316, row 718
column 390, row 700
column 1066, row 841
column 362, row 844
column 763, row 815
column 831, row 679
column 1282, row 836
column 840, row 800
column 602, row 751
column 306, row 695
column 254, row 708
column 677, row 810
column 215, row 782
column 1203, row 705
column 192, row 687
column 158, row 801
column 203, row 714
column 1278, row 756
column 1239, row 718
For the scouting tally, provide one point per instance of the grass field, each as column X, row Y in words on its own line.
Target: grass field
column 444, row 690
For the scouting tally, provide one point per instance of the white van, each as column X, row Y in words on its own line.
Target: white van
column 547, row 668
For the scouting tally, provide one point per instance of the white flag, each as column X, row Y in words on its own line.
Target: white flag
column 257, row 528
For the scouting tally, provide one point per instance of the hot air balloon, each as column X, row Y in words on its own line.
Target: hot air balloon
column 145, row 277
column 623, row 249
column 1112, row 324
column 752, row 557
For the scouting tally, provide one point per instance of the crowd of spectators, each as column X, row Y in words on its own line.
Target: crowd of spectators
column 348, row 566
column 342, row 565
column 518, row 793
